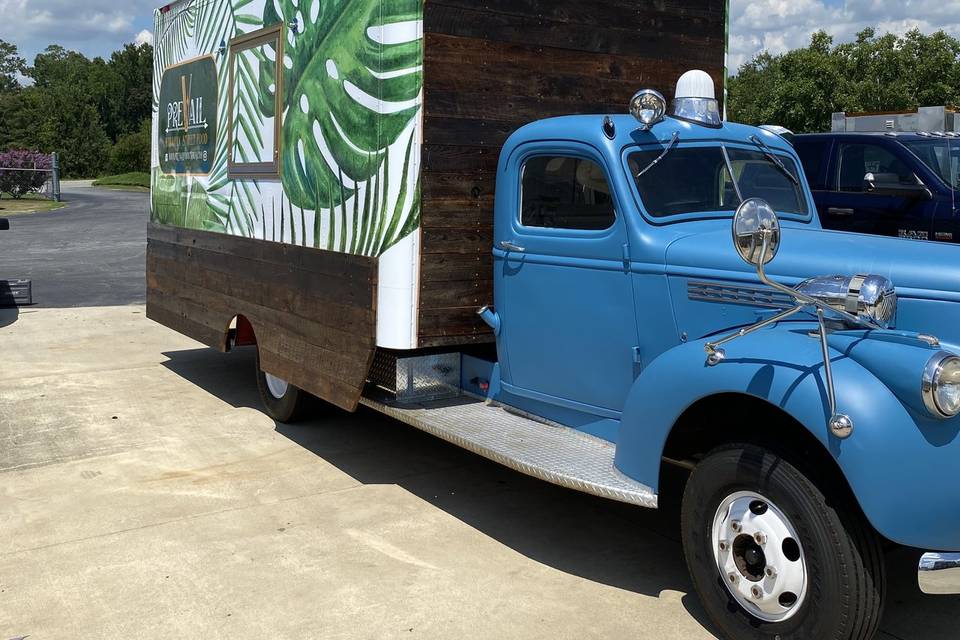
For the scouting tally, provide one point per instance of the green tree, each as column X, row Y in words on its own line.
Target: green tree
column 11, row 67
column 132, row 151
column 132, row 67
column 800, row 89
column 58, row 112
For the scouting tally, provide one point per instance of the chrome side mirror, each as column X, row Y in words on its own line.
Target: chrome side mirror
column 756, row 232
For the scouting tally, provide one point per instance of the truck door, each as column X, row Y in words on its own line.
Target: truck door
column 851, row 206
column 563, row 290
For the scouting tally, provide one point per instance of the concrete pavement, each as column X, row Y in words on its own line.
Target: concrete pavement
column 144, row 495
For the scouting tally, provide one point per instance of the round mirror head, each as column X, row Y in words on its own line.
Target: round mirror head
column 754, row 221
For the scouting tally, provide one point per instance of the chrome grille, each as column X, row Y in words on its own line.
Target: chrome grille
column 738, row 294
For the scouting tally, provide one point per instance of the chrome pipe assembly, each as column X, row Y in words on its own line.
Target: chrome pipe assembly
column 867, row 301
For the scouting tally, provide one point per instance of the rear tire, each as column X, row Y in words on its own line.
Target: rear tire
column 281, row 400
column 828, row 582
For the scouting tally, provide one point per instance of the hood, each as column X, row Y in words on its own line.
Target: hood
column 926, row 274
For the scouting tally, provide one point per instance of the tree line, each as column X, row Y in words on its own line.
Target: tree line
column 801, row 88
column 94, row 113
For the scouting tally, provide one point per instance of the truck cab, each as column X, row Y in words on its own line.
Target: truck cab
column 892, row 184
column 638, row 302
column 586, row 225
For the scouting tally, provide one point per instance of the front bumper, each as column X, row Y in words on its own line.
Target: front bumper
column 939, row 573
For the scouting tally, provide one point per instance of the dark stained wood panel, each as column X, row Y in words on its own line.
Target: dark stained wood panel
column 313, row 311
column 491, row 67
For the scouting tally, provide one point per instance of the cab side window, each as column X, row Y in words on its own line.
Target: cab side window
column 562, row 192
column 812, row 153
column 859, row 159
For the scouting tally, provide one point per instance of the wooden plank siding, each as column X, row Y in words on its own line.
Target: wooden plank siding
column 313, row 311
column 492, row 66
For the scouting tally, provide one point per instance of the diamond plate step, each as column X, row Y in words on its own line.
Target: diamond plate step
column 560, row 455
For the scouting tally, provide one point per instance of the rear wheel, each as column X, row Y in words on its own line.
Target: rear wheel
column 282, row 401
column 773, row 556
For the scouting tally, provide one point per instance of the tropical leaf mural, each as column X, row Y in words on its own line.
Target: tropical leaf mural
column 351, row 96
column 351, row 85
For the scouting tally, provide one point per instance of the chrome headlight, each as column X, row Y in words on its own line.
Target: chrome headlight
column 869, row 297
column 941, row 385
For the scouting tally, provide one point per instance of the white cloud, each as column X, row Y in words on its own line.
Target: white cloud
column 144, row 37
column 93, row 27
column 779, row 25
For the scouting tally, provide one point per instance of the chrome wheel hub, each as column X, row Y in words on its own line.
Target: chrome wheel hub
column 759, row 556
column 276, row 386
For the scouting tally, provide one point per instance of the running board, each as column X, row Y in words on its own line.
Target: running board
column 559, row 455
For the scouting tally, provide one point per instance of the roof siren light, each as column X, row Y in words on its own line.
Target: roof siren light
column 695, row 100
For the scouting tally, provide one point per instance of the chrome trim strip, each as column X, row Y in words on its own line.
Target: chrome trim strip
column 939, row 573
column 747, row 295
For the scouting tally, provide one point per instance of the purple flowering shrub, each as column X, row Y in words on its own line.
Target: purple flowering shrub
column 20, row 183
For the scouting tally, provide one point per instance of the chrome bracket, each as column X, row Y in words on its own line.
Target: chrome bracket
column 840, row 424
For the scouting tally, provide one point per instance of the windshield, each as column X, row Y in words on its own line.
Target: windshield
column 942, row 156
column 696, row 180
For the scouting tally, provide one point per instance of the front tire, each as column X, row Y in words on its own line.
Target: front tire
column 773, row 556
column 281, row 400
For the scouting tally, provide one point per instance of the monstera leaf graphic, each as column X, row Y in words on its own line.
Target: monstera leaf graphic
column 351, row 85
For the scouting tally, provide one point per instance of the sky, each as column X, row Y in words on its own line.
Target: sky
column 97, row 27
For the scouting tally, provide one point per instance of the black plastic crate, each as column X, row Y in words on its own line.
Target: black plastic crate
column 16, row 293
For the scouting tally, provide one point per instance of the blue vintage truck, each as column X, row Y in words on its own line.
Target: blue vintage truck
column 807, row 378
column 663, row 294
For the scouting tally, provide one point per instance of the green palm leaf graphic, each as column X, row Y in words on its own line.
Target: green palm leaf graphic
column 351, row 98
column 350, row 88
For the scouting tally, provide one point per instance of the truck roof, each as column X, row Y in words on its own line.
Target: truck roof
column 894, row 135
column 627, row 131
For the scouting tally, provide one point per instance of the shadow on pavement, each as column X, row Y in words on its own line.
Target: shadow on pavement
column 8, row 310
column 607, row 542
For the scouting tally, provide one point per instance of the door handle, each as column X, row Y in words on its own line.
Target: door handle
column 840, row 211
column 510, row 246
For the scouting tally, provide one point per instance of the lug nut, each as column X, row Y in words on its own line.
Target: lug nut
column 756, row 592
column 723, row 545
column 770, row 572
column 734, row 578
column 760, row 538
column 735, row 525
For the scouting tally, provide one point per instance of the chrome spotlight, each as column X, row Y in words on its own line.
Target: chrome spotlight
column 869, row 297
column 648, row 107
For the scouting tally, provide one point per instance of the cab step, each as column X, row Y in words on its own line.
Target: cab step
column 560, row 455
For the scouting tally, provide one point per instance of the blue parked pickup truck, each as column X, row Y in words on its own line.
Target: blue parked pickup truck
column 889, row 184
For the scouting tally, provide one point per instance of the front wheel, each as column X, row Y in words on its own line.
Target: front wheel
column 283, row 401
column 773, row 556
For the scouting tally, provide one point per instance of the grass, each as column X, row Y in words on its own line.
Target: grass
column 136, row 180
column 30, row 203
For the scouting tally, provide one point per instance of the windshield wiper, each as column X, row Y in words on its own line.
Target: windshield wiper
column 670, row 145
column 772, row 157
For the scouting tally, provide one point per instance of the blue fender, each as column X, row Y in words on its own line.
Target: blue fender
column 900, row 464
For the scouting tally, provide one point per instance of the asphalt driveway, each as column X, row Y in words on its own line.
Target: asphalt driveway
column 90, row 253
